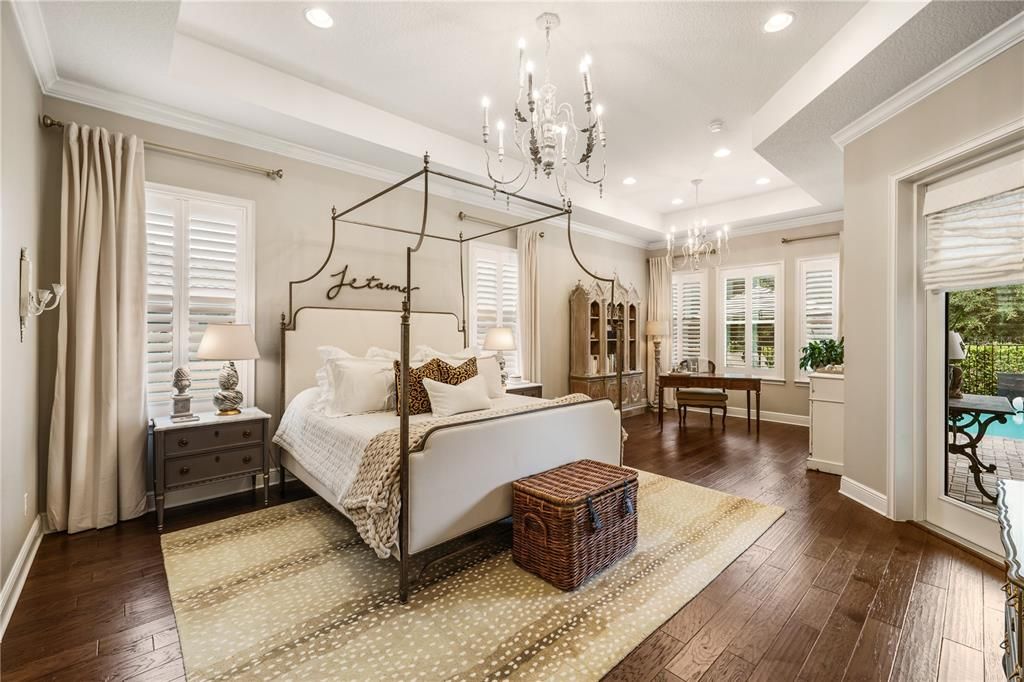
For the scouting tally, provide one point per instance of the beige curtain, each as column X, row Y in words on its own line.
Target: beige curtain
column 528, row 246
column 659, row 307
column 97, row 460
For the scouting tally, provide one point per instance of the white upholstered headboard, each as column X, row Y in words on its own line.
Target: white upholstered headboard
column 356, row 331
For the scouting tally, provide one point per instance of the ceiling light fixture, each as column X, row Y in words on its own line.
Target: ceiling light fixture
column 778, row 22
column 546, row 133
column 716, row 126
column 319, row 17
column 700, row 244
column 762, row 181
column 629, row 181
column 722, row 152
column 677, row 201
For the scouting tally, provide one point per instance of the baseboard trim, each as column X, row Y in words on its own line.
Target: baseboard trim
column 824, row 466
column 974, row 550
column 202, row 493
column 741, row 412
column 869, row 497
column 19, row 573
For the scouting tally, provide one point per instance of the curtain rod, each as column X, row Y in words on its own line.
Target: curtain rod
column 786, row 240
column 48, row 121
column 493, row 223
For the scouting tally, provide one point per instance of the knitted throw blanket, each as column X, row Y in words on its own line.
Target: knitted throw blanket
column 374, row 500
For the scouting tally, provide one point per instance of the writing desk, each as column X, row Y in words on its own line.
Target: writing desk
column 729, row 382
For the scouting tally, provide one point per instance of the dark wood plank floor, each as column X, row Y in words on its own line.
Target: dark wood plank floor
column 831, row 592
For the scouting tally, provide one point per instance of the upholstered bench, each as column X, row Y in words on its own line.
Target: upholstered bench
column 710, row 398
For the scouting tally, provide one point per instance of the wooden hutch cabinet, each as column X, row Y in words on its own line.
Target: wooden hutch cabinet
column 593, row 346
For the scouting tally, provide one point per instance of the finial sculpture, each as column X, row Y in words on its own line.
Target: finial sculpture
column 182, row 400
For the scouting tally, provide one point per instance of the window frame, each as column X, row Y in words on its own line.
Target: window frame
column 701, row 278
column 245, row 292
column 802, row 266
column 749, row 272
column 475, row 249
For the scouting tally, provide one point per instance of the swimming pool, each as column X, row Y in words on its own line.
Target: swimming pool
column 1013, row 428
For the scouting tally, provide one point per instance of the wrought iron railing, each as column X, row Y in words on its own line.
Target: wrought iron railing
column 993, row 368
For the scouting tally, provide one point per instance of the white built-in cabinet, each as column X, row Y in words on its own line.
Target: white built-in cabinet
column 826, row 412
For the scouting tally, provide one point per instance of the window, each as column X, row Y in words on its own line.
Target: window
column 198, row 270
column 689, row 316
column 818, row 299
column 494, row 295
column 750, row 308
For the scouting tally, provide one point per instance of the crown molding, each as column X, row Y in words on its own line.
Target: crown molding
column 776, row 226
column 992, row 44
column 171, row 117
column 29, row 16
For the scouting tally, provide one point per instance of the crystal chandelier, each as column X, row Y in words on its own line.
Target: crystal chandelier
column 546, row 133
column 700, row 247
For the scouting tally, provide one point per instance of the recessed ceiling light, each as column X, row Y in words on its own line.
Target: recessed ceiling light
column 762, row 181
column 778, row 22
column 629, row 181
column 677, row 201
column 319, row 17
column 722, row 152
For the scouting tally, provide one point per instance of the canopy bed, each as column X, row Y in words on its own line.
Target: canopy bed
column 411, row 482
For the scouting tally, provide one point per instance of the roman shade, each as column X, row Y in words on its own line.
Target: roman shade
column 975, row 227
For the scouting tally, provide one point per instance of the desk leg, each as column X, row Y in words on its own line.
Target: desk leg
column 759, row 413
column 661, row 408
column 748, row 411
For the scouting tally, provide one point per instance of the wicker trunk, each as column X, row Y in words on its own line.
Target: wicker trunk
column 572, row 522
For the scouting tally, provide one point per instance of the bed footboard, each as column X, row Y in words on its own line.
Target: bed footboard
column 461, row 478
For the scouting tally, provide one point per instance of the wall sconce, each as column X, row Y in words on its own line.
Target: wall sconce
column 35, row 303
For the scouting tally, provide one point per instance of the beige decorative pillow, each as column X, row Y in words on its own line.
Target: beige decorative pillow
column 419, row 399
column 455, row 375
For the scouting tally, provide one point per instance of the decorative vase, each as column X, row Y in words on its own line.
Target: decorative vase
column 228, row 400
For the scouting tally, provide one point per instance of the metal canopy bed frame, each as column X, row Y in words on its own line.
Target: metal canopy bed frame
column 288, row 320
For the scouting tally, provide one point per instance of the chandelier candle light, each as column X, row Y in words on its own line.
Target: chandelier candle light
column 700, row 244
column 546, row 133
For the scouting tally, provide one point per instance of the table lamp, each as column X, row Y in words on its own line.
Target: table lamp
column 500, row 339
column 655, row 330
column 228, row 342
column 955, row 352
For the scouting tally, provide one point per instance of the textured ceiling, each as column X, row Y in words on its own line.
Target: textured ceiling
column 662, row 71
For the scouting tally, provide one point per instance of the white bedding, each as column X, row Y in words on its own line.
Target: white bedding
column 331, row 448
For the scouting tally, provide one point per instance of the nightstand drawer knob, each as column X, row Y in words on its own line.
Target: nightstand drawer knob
column 216, row 458
column 246, row 459
column 182, row 442
column 216, row 434
column 184, row 471
column 246, row 434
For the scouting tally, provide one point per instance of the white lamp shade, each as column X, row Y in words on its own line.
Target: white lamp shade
column 657, row 328
column 500, row 338
column 228, row 342
column 955, row 346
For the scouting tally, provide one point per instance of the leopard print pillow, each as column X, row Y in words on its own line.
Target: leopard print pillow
column 419, row 400
column 456, row 375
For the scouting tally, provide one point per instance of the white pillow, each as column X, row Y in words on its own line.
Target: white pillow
column 323, row 378
column 375, row 353
column 358, row 386
column 487, row 367
column 446, row 400
column 332, row 353
column 424, row 353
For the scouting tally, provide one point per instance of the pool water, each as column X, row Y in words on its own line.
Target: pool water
column 1013, row 428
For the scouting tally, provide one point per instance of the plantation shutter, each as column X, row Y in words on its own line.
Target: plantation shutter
column 495, row 296
column 751, row 319
column 688, row 316
column 198, row 272
column 819, row 299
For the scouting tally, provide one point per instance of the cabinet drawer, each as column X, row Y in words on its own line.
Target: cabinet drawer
column 191, row 469
column 827, row 389
column 179, row 442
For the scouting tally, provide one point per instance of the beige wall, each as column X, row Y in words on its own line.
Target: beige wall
column 986, row 98
column 790, row 396
column 293, row 233
column 21, row 177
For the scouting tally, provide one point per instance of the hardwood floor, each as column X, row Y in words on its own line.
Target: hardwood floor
column 832, row 591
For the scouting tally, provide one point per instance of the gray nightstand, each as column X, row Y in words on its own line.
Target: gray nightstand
column 527, row 388
column 212, row 449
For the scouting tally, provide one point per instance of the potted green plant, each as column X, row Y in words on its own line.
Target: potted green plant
column 818, row 354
